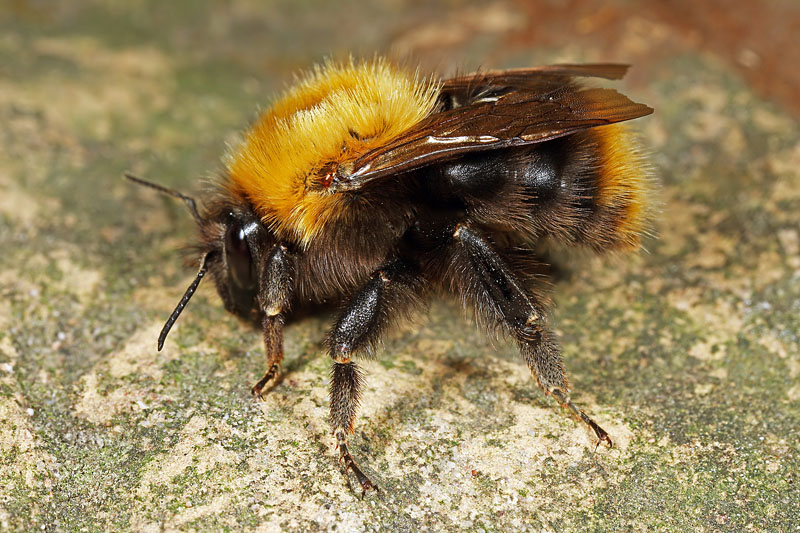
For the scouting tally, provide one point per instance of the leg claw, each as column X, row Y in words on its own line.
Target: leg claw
column 368, row 486
column 602, row 436
column 350, row 464
column 258, row 388
column 566, row 403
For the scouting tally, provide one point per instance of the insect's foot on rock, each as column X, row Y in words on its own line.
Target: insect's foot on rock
column 270, row 378
column 602, row 435
column 350, row 464
column 258, row 390
column 363, row 480
column 368, row 485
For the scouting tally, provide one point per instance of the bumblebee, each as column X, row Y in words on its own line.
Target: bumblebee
column 371, row 186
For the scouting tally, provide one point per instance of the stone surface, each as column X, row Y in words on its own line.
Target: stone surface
column 688, row 354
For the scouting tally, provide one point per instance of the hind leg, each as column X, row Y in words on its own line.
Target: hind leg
column 485, row 279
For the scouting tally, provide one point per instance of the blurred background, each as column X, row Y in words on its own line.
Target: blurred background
column 688, row 354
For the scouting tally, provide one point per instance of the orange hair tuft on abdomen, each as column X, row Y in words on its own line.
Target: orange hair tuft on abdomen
column 623, row 180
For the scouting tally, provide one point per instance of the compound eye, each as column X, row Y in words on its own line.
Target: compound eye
column 237, row 253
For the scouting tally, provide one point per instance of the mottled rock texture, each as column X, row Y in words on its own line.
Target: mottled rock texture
column 688, row 354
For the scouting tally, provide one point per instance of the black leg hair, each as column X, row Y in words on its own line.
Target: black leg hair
column 391, row 291
column 272, row 327
column 346, row 382
column 481, row 275
column 275, row 285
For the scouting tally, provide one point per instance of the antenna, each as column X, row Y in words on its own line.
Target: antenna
column 185, row 300
column 189, row 201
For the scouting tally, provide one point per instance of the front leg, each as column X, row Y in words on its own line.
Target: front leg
column 274, row 294
column 272, row 327
column 391, row 290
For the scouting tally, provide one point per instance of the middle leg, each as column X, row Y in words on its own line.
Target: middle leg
column 392, row 290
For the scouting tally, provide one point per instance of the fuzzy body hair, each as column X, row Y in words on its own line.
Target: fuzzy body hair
column 370, row 187
column 334, row 114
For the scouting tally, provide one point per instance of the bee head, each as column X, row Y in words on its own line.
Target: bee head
column 233, row 244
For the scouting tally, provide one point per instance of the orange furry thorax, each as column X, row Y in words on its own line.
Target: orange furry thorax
column 335, row 113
